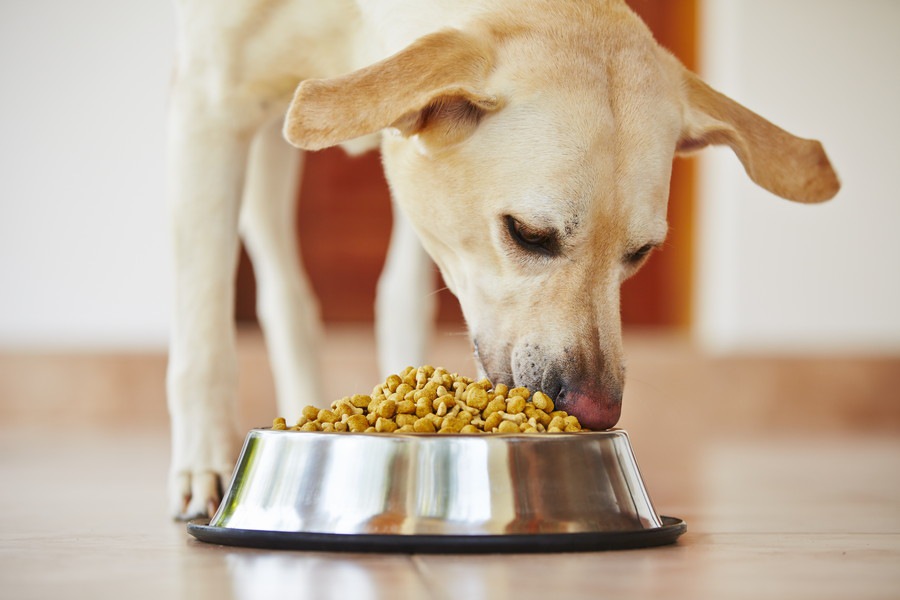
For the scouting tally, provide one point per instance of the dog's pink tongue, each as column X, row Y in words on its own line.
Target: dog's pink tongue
column 595, row 411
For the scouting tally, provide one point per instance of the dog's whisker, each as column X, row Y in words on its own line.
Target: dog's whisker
column 649, row 385
column 449, row 333
column 438, row 291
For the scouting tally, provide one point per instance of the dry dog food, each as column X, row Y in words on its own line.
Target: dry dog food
column 432, row 400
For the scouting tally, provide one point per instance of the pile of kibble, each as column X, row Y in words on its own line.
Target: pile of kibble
column 432, row 400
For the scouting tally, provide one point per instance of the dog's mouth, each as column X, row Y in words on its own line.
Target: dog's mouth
column 597, row 405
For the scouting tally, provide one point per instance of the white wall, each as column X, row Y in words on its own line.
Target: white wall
column 777, row 275
column 83, row 252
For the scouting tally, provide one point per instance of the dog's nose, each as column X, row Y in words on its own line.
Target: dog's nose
column 596, row 407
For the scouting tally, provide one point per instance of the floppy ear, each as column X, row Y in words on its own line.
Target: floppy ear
column 434, row 86
column 791, row 167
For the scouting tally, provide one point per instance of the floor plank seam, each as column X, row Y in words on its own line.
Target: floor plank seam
column 421, row 568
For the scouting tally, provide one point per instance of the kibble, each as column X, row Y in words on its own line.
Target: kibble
column 432, row 400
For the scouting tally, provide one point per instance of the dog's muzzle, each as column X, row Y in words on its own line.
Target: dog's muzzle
column 597, row 402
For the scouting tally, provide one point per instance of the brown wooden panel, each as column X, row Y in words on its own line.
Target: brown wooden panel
column 660, row 294
column 344, row 221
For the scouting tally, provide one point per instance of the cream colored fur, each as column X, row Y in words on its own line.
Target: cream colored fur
column 529, row 147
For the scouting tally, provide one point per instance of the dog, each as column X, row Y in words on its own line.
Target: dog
column 528, row 146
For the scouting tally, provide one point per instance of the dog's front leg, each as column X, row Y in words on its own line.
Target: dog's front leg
column 207, row 158
column 286, row 305
column 406, row 303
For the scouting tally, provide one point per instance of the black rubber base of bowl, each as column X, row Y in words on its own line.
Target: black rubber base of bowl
column 441, row 544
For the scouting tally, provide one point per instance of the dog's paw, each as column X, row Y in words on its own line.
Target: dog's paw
column 201, row 470
column 196, row 495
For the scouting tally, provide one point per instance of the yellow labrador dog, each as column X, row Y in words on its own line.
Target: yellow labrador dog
column 528, row 145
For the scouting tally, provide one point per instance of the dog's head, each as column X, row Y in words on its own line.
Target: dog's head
column 533, row 156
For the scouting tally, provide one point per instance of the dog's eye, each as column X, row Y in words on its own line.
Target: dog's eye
column 534, row 240
column 638, row 255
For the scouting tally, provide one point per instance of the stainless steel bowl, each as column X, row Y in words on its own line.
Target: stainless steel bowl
column 413, row 487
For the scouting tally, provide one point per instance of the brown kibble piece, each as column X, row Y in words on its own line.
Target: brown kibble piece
column 405, row 419
column 515, row 405
column 392, row 382
column 557, row 422
column 508, row 427
column 383, row 425
column 450, row 426
column 519, row 391
column 343, row 408
column 543, row 402
column 438, row 400
column 572, row 424
column 387, row 409
column 357, row 423
column 477, row 398
column 423, row 407
column 326, row 416
column 493, row 420
column 495, row 405
column 360, row 400
column 424, row 426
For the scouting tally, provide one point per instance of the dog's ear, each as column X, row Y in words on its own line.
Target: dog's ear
column 433, row 87
column 791, row 167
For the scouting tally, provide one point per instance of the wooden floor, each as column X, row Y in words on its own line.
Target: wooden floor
column 783, row 499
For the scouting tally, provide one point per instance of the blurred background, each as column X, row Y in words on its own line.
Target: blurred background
column 758, row 313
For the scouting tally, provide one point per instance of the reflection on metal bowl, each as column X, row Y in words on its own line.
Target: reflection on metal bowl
column 406, row 490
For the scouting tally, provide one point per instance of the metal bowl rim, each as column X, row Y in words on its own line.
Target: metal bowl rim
column 444, row 436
